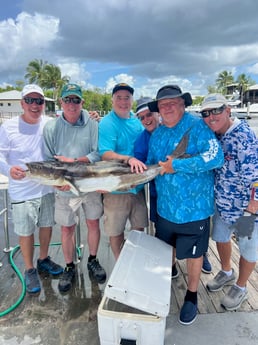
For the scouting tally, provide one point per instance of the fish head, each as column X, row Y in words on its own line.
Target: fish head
column 45, row 170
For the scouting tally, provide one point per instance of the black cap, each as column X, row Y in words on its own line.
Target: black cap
column 122, row 86
column 170, row 91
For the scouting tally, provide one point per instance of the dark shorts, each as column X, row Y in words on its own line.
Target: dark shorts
column 191, row 239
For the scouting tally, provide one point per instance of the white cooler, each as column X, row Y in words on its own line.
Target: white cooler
column 136, row 298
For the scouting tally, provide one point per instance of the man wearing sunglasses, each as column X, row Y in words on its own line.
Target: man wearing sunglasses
column 72, row 137
column 235, row 203
column 185, row 186
column 32, row 203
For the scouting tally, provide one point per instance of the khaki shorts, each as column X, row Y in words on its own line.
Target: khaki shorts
column 29, row 215
column 118, row 208
column 67, row 216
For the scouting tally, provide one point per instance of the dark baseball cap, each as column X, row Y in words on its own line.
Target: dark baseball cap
column 170, row 91
column 122, row 86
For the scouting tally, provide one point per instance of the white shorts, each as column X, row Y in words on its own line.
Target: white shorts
column 29, row 215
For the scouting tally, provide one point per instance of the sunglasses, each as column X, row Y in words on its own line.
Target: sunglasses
column 141, row 118
column 74, row 100
column 31, row 100
column 215, row 111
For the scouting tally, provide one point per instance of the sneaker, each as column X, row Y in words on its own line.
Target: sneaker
column 65, row 282
column 221, row 280
column 175, row 273
column 96, row 271
column 206, row 266
column 32, row 281
column 234, row 298
column 188, row 313
column 49, row 266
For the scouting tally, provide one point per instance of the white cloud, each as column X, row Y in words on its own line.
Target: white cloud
column 24, row 39
column 253, row 69
column 145, row 45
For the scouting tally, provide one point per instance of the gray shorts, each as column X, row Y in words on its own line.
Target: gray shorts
column 66, row 213
column 118, row 208
column 248, row 248
column 29, row 215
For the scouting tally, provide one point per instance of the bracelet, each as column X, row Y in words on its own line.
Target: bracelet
column 130, row 157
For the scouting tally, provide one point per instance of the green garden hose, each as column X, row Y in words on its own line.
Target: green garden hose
column 20, row 276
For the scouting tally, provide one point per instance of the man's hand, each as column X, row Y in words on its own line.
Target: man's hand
column 167, row 167
column 136, row 165
column 94, row 115
column 63, row 188
column 17, row 173
column 253, row 206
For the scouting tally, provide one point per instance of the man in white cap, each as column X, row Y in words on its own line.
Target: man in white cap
column 236, row 202
column 185, row 186
column 32, row 203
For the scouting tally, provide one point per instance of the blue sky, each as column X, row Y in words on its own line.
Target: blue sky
column 146, row 43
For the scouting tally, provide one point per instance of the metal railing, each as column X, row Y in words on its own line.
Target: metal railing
column 4, row 213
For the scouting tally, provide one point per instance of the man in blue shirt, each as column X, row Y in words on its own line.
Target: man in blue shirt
column 235, row 202
column 151, row 121
column 117, row 134
column 185, row 186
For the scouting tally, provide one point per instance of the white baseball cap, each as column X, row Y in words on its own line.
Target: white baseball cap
column 213, row 101
column 31, row 88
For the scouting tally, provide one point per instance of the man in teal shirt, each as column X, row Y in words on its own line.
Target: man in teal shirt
column 117, row 134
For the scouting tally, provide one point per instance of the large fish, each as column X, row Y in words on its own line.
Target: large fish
column 109, row 176
column 84, row 177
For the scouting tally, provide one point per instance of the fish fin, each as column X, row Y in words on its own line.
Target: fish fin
column 73, row 189
column 181, row 146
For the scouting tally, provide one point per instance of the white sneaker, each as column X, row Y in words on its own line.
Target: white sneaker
column 234, row 298
column 221, row 280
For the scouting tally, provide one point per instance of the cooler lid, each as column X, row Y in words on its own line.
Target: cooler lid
column 141, row 277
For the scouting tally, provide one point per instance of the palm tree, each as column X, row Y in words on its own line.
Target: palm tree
column 244, row 82
column 35, row 71
column 47, row 76
column 212, row 89
column 224, row 79
column 53, row 79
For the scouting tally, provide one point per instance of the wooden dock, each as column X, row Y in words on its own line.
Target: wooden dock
column 209, row 302
column 86, row 293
